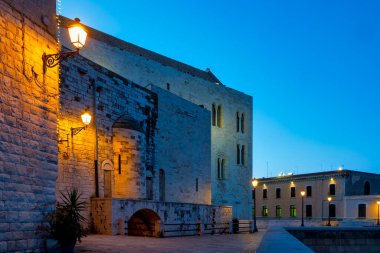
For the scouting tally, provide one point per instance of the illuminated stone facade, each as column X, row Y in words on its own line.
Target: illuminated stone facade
column 353, row 197
column 28, row 116
column 230, row 117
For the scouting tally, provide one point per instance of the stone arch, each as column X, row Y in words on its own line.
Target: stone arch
column 145, row 222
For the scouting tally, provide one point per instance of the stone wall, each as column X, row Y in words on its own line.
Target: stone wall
column 109, row 98
column 336, row 240
column 183, row 147
column 355, row 183
column 199, row 87
column 28, row 115
column 168, row 212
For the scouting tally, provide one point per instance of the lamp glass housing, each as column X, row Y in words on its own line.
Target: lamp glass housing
column 329, row 199
column 77, row 36
column 254, row 183
column 302, row 193
column 86, row 118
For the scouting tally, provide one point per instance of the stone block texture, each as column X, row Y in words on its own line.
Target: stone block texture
column 199, row 87
column 28, row 116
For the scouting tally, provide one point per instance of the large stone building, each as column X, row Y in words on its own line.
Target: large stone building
column 354, row 197
column 168, row 143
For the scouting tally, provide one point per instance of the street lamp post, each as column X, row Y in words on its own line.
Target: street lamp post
column 378, row 220
column 254, row 184
column 329, row 200
column 302, row 196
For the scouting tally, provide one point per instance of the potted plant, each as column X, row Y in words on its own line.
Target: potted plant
column 65, row 223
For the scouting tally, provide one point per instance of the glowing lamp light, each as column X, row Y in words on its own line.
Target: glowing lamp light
column 86, row 118
column 329, row 199
column 302, row 193
column 378, row 202
column 77, row 35
column 255, row 183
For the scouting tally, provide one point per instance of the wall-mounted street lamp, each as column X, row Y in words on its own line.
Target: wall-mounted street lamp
column 254, row 184
column 77, row 37
column 329, row 200
column 86, row 119
column 302, row 196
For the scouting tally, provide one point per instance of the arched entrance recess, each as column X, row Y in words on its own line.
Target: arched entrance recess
column 145, row 222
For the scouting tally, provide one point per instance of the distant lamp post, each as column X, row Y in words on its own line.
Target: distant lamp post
column 255, row 182
column 329, row 200
column 77, row 37
column 86, row 119
column 302, row 196
column 378, row 219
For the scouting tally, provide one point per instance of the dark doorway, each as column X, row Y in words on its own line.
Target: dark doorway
column 144, row 222
column 332, row 210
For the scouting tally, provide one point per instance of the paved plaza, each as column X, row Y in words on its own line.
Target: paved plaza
column 246, row 243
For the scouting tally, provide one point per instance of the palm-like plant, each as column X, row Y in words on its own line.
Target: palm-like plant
column 66, row 225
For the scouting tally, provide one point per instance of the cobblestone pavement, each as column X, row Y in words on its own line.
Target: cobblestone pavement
column 244, row 243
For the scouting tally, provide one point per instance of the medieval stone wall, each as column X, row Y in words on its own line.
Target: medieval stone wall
column 142, row 67
column 108, row 97
column 28, row 115
column 183, row 147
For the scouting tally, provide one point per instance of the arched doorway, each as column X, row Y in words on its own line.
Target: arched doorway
column 145, row 222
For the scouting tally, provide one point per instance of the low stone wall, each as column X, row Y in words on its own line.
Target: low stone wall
column 111, row 216
column 338, row 239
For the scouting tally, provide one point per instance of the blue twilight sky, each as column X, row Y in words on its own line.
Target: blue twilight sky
column 312, row 67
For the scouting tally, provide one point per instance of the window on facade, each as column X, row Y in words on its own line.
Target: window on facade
column 196, row 184
column 332, row 189
column 242, row 122
column 219, row 116
column 213, row 115
column 265, row 193
column 168, row 86
column 367, row 188
column 309, row 211
column 308, row 191
column 265, row 211
column 162, row 184
column 361, row 210
column 293, row 212
column 278, row 211
column 221, row 168
column 237, row 154
column 293, row 192
column 149, row 188
column 278, row 193
column 242, row 156
column 237, row 122
column 119, row 163
column 332, row 210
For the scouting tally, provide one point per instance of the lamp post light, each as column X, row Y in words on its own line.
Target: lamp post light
column 378, row 219
column 329, row 200
column 86, row 119
column 254, row 184
column 77, row 37
column 302, row 196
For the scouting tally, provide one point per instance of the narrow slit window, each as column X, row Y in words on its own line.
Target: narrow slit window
column 238, row 154
column 119, row 163
column 242, row 123
column 242, row 156
column 213, row 115
column 219, row 116
column 237, row 122
column 222, row 172
column 218, row 168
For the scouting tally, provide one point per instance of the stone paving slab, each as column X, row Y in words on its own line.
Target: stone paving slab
column 278, row 240
column 244, row 243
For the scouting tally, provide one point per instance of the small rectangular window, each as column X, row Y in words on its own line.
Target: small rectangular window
column 278, row 211
column 242, row 154
column 332, row 189
column 196, row 184
column 119, row 163
column 308, row 191
column 293, row 192
column 168, row 86
column 265, row 211
column 309, row 211
column 293, row 211
column 238, row 154
column 361, row 210
column 265, row 193
column 278, row 193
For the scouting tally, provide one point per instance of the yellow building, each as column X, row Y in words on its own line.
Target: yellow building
column 353, row 197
